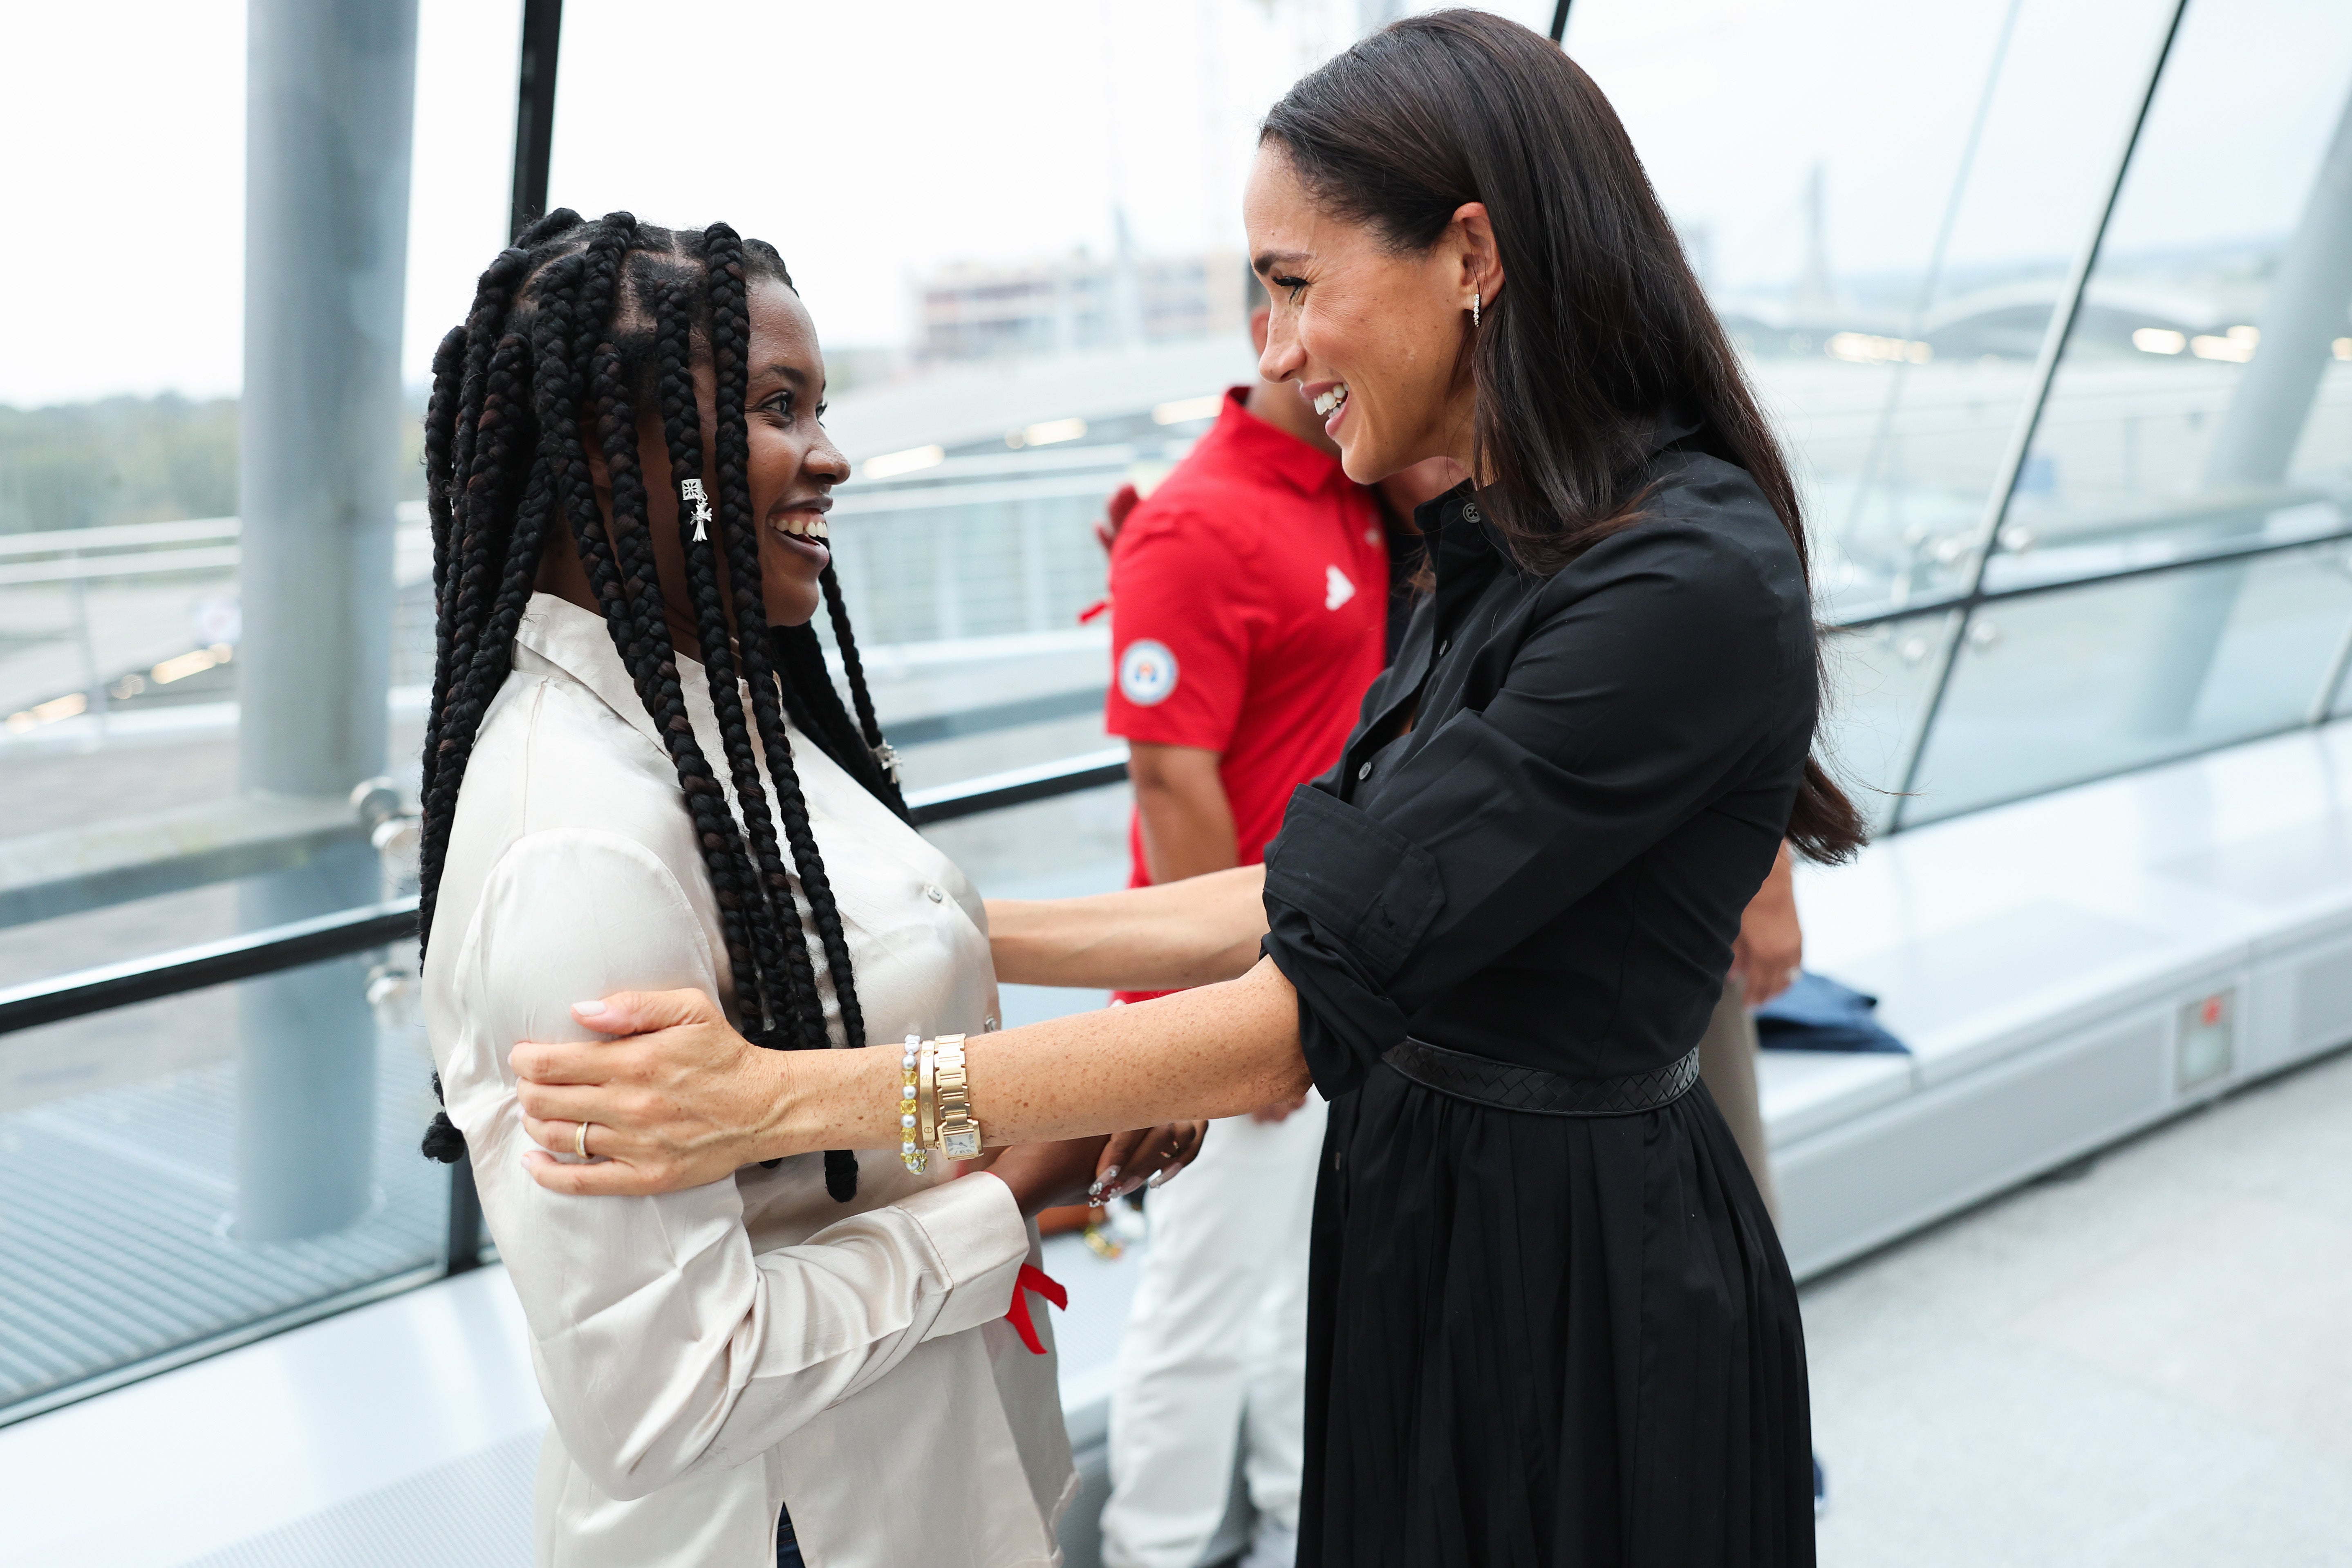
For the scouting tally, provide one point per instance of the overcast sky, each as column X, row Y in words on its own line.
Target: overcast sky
column 871, row 142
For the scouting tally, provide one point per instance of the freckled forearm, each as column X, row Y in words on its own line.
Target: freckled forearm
column 1219, row 1050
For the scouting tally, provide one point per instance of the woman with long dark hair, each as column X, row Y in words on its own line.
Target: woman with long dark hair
column 638, row 772
column 1550, row 1321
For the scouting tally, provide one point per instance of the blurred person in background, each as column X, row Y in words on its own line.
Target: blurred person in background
column 1765, row 958
column 1251, row 603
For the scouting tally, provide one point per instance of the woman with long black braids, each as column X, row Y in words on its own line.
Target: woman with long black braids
column 1549, row 1322
column 638, row 773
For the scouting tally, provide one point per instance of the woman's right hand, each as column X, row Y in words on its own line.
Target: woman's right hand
column 1148, row 1155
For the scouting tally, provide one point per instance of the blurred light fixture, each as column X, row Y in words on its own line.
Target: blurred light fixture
column 1184, row 410
column 49, row 712
column 2159, row 341
column 1864, row 348
column 2237, row 346
column 890, row 464
column 1045, row 434
column 188, row 664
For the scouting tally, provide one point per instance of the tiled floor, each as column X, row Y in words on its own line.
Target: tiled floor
column 2146, row 1362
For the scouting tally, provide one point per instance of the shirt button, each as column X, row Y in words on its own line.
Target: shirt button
column 1470, row 512
column 1364, row 773
column 933, row 893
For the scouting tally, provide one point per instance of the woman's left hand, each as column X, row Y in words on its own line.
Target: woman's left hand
column 1043, row 1175
column 1150, row 1156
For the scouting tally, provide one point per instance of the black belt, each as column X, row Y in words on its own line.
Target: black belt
column 1536, row 1091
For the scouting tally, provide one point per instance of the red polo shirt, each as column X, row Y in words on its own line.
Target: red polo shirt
column 1249, row 610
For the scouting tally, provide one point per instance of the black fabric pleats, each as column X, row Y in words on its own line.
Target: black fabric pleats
column 1542, row 1341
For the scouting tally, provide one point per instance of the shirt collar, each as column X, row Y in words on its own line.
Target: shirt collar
column 1262, row 446
column 1460, row 505
column 577, row 642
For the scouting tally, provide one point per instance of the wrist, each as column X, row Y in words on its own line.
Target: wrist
column 776, row 1103
column 826, row 1100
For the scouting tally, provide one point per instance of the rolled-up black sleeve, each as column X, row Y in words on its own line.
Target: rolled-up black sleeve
column 1653, row 674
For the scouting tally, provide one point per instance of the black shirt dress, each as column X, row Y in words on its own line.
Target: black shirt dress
column 1566, row 1341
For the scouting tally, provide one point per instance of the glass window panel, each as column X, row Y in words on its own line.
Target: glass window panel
column 2054, row 688
column 1050, row 850
column 1890, row 291
column 2205, row 395
column 118, row 404
column 1875, row 691
column 198, row 1164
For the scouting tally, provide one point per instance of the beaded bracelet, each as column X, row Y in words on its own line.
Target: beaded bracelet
column 917, row 1158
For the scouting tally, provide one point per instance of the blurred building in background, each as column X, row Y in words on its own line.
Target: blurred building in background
column 977, row 311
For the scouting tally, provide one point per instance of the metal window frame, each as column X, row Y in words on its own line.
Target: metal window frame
column 2055, row 337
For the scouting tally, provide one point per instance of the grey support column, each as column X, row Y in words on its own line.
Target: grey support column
column 330, row 96
column 2306, row 311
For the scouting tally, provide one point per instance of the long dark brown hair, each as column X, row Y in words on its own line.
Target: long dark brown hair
column 1601, row 329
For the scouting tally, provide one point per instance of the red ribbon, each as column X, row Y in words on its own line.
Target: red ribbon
column 1034, row 1279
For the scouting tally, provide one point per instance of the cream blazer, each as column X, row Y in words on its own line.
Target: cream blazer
column 712, row 1356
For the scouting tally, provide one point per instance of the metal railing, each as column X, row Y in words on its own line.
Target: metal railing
column 267, row 952
column 277, row 948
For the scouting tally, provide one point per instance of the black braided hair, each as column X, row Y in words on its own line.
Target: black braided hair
column 726, row 263
column 570, row 332
column 674, row 316
column 874, row 748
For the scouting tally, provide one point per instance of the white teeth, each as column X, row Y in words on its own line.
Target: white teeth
column 812, row 528
column 819, row 528
column 1331, row 400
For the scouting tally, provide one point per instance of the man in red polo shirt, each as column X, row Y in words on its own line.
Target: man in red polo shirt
column 1250, row 598
column 1249, row 610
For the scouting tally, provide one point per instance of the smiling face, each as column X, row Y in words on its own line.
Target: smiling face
column 1376, row 339
column 794, row 464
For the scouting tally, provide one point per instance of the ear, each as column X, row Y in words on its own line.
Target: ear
column 1470, row 238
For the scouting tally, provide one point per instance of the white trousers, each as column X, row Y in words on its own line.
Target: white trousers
column 1215, row 1351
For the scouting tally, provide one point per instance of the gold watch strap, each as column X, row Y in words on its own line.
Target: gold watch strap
column 958, row 1134
column 927, row 1099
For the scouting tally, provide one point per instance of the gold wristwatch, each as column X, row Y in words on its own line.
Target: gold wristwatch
column 959, row 1133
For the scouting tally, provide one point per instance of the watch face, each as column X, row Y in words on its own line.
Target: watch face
column 961, row 1145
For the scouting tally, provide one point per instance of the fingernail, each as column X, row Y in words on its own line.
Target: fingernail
column 1127, row 1187
column 1157, row 1177
column 587, row 1012
column 1108, row 1177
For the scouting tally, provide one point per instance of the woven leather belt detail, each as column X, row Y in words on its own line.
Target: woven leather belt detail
column 1536, row 1091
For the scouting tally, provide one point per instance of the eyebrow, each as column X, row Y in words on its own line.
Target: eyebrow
column 1270, row 258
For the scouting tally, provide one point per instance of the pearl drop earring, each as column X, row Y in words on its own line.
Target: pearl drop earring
column 1474, row 311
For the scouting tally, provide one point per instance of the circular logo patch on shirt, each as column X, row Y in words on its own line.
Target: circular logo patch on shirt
column 1147, row 672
